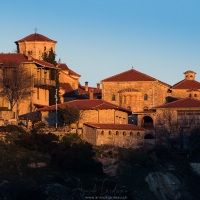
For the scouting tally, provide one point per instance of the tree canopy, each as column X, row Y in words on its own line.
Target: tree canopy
column 49, row 57
column 68, row 115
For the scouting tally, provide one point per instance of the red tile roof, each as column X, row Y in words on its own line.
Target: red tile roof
column 82, row 90
column 114, row 126
column 64, row 67
column 131, row 75
column 16, row 59
column 187, row 84
column 86, row 104
column 43, row 63
column 12, row 58
column 66, row 86
column 35, row 37
column 182, row 103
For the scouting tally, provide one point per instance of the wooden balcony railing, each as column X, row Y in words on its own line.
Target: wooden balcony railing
column 44, row 82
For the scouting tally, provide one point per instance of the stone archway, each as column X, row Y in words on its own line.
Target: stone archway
column 147, row 122
column 149, row 140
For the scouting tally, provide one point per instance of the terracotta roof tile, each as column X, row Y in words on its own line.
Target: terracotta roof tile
column 182, row 103
column 187, row 84
column 131, row 75
column 16, row 59
column 67, row 87
column 43, row 63
column 115, row 126
column 35, row 37
column 12, row 58
column 64, row 67
column 82, row 90
column 87, row 104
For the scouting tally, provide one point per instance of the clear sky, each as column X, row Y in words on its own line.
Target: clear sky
column 101, row 38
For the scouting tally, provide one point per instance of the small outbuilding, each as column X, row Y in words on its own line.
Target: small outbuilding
column 122, row 135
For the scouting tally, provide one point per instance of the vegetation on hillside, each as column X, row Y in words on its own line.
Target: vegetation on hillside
column 30, row 160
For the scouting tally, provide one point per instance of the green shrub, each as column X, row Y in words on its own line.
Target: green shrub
column 71, row 138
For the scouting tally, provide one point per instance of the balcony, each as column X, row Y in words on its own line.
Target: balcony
column 44, row 83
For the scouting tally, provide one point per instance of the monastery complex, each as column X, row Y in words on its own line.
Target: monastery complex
column 121, row 110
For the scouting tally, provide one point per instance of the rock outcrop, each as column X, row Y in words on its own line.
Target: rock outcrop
column 165, row 186
column 196, row 167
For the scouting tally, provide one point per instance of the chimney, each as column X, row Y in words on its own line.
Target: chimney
column 98, row 85
column 91, row 94
column 86, row 86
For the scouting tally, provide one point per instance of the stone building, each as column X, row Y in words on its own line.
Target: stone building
column 41, row 81
column 188, row 87
column 30, row 51
column 179, row 117
column 34, row 45
column 71, row 89
column 141, row 94
column 68, row 76
column 134, row 90
column 185, row 111
column 122, row 135
column 100, row 122
column 95, row 111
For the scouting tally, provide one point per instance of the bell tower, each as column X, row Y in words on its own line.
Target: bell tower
column 189, row 75
column 35, row 44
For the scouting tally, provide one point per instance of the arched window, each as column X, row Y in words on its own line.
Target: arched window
column 195, row 95
column 190, row 95
column 113, row 97
column 102, row 132
column 124, row 133
column 109, row 133
column 145, row 97
column 117, row 132
column 147, row 122
column 131, row 133
column 138, row 134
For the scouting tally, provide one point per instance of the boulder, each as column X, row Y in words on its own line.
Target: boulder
column 165, row 186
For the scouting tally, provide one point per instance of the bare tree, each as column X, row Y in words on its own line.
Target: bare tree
column 166, row 125
column 15, row 83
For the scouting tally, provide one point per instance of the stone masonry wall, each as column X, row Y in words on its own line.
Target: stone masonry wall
column 134, row 98
column 122, row 138
column 36, row 47
column 104, row 116
column 89, row 135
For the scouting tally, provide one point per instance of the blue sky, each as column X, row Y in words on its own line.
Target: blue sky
column 101, row 38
